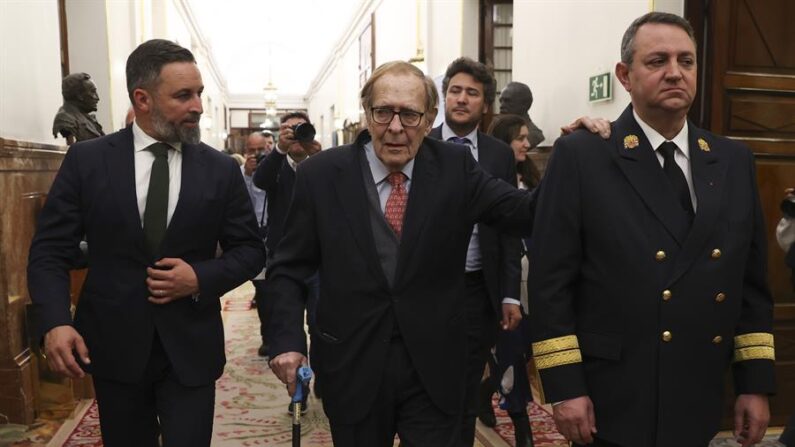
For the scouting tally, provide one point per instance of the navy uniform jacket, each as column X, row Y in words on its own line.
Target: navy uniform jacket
column 94, row 195
column 635, row 310
column 328, row 229
column 500, row 252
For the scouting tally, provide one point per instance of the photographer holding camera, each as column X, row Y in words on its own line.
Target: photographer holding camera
column 276, row 175
column 785, row 234
column 258, row 146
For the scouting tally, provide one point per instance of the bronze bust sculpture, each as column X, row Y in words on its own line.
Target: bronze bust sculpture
column 516, row 99
column 74, row 120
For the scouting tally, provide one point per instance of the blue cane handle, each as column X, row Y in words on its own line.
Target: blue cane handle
column 302, row 378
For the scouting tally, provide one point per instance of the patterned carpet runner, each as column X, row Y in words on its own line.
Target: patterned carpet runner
column 251, row 403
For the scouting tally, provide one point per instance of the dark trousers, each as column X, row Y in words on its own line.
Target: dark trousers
column 788, row 435
column 481, row 335
column 135, row 415
column 262, row 312
column 597, row 443
column 512, row 352
column 403, row 407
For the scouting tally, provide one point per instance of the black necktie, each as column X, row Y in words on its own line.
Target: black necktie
column 676, row 177
column 156, row 211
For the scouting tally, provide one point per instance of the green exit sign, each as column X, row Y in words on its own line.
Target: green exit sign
column 600, row 88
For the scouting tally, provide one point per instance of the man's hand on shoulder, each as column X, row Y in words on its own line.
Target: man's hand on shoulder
column 751, row 416
column 285, row 365
column 575, row 419
column 173, row 279
column 59, row 344
column 593, row 125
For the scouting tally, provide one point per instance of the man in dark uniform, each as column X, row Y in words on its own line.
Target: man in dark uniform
column 649, row 266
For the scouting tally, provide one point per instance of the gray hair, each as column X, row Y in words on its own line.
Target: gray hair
column 399, row 67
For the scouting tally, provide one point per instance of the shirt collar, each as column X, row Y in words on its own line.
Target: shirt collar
column 448, row 133
column 293, row 164
column 142, row 140
column 377, row 168
column 655, row 139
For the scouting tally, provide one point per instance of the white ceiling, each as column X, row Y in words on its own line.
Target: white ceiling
column 288, row 40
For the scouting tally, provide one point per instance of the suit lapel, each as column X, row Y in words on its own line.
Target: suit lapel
column 189, row 189
column 708, row 172
column 637, row 161
column 421, row 199
column 436, row 133
column 120, row 162
column 352, row 196
column 485, row 156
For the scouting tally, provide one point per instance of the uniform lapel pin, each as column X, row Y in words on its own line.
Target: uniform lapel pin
column 631, row 142
column 703, row 145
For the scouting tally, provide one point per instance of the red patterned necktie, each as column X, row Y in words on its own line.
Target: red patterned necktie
column 396, row 203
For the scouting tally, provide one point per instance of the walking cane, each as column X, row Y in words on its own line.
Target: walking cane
column 303, row 375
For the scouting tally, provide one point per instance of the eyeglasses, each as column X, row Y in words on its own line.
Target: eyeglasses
column 385, row 115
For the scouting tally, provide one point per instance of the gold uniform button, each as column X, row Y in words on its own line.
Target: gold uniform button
column 666, row 336
column 720, row 297
column 660, row 256
column 715, row 254
column 667, row 295
column 717, row 339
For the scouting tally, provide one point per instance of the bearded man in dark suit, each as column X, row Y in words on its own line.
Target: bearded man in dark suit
column 154, row 204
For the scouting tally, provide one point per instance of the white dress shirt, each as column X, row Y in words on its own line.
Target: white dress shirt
column 292, row 163
column 143, row 171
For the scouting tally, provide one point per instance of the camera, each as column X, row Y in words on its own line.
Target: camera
column 788, row 207
column 304, row 132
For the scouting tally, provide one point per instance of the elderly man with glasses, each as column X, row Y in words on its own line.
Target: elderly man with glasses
column 386, row 221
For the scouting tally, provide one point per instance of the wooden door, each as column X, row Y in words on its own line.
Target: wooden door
column 747, row 64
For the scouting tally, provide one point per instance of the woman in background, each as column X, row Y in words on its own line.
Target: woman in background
column 508, row 364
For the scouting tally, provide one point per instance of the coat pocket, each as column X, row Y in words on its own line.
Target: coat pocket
column 601, row 346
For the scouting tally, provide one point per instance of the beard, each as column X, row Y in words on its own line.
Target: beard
column 171, row 133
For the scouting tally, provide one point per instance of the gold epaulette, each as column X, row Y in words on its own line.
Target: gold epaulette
column 754, row 346
column 557, row 352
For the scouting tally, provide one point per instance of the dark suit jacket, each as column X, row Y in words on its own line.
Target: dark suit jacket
column 615, row 266
column 328, row 228
column 94, row 194
column 275, row 176
column 501, row 253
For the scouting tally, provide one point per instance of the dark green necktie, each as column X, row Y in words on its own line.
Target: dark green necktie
column 156, row 211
